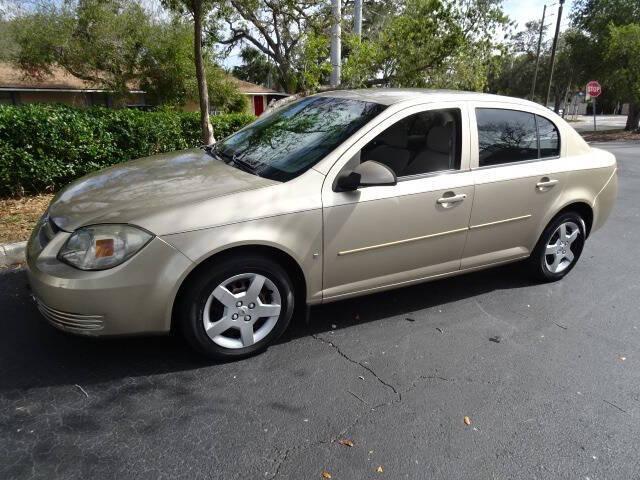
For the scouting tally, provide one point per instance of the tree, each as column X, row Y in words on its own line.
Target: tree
column 526, row 41
column 116, row 45
column 514, row 70
column 624, row 53
column 255, row 67
column 592, row 46
column 100, row 41
column 197, row 10
column 429, row 43
column 288, row 32
column 167, row 70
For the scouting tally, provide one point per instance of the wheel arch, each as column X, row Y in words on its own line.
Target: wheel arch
column 583, row 209
column 283, row 258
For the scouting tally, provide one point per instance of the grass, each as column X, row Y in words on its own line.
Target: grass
column 19, row 215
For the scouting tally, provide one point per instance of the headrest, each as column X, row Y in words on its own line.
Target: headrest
column 439, row 138
column 395, row 136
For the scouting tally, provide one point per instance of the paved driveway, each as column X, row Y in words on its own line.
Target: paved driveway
column 548, row 374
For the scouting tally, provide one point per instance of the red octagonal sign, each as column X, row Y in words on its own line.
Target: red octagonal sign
column 594, row 89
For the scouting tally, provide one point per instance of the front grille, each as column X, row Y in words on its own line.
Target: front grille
column 73, row 322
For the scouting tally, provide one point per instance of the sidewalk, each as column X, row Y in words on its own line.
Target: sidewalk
column 584, row 123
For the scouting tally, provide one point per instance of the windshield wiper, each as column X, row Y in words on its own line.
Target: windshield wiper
column 225, row 157
column 213, row 151
column 243, row 165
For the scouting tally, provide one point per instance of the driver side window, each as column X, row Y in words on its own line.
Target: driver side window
column 424, row 142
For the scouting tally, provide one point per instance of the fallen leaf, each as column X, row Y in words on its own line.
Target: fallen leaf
column 467, row 421
column 380, row 469
column 326, row 474
column 346, row 442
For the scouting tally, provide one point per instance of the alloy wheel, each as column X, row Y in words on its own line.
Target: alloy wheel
column 242, row 310
column 559, row 253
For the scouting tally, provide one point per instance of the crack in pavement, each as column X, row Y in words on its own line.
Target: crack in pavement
column 355, row 362
column 414, row 384
column 284, row 455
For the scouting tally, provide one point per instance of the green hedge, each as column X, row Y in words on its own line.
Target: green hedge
column 44, row 147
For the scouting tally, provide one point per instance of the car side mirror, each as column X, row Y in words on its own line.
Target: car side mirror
column 367, row 174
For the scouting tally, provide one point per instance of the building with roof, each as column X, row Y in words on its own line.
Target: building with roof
column 60, row 87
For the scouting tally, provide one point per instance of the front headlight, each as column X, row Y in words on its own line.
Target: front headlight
column 99, row 247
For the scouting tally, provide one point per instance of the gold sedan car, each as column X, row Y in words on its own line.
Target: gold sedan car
column 336, row 195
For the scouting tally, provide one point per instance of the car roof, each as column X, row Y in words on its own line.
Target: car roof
column 390, row 96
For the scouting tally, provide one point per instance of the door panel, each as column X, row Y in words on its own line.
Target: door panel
column 381, row 236
column 508, row 209
column 378, row 237
column 512, row 200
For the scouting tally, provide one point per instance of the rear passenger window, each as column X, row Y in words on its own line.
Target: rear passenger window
column 426, row 142
column 549, row 138
column 506, row 136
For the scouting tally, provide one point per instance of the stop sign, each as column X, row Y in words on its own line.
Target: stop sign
column 594, row 89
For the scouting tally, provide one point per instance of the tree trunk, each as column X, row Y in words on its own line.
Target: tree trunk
column 201, row 76
column 633, row 118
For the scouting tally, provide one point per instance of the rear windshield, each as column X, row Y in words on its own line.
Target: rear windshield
column 284, row 144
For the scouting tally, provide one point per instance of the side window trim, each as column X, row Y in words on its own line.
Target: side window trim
column 419, row 176
column 535, row 119
column 336, row 162
column 473, row 109
column 555, row 127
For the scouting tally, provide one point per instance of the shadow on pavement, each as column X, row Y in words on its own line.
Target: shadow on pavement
column 34, row 354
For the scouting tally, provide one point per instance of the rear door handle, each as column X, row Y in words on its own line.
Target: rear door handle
column 546, row 182
column 445, row 200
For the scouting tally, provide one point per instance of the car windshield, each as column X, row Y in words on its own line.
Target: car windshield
column 284, row 144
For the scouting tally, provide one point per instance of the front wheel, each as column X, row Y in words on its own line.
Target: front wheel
column 559, row 247
column 238, row 308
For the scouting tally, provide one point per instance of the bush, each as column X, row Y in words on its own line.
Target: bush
column 43, row 147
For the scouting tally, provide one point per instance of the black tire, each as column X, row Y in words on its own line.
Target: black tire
column 538, row 261
column 199, row 289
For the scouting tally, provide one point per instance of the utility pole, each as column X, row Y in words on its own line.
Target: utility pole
column 553, row 52
column 336, row 60
column 357, row 19
column 535, row 74
column 566, row 94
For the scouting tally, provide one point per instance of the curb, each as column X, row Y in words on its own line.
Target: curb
column 12, row 253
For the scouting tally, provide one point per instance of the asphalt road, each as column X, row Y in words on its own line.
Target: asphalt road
column 556, row 395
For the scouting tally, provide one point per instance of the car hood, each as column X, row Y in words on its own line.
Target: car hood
column 131, row 191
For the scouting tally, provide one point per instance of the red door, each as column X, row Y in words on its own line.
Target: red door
column 258, row 104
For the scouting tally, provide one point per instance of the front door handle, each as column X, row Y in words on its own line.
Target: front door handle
column 546, row 182
column 450, row 198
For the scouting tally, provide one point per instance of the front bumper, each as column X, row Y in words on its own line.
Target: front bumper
column 133, row 298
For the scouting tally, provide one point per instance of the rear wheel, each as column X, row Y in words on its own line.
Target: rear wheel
column 559, row 247
column 238, row 308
